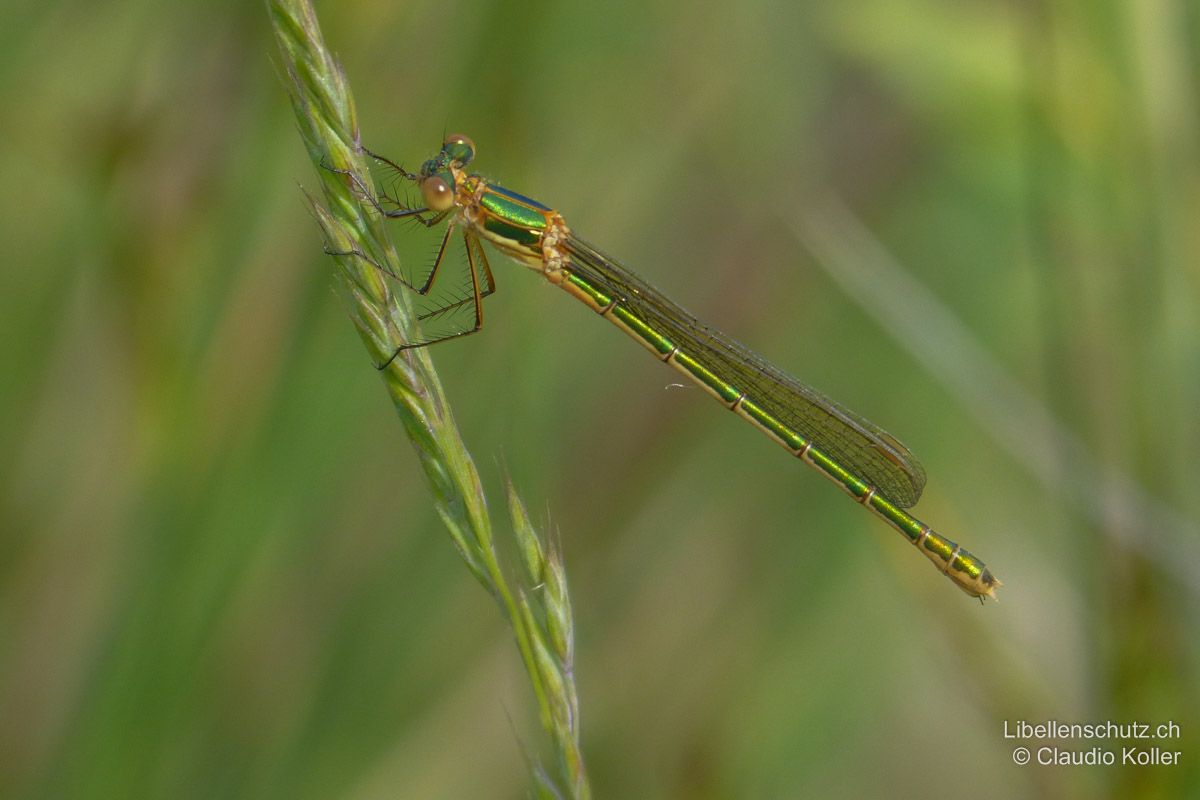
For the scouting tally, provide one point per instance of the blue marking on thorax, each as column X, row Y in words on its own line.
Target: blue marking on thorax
column 520, row 198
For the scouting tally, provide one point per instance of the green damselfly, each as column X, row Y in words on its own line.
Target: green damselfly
column 859, row 456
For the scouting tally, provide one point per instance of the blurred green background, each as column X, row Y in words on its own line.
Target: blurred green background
column 222, row 575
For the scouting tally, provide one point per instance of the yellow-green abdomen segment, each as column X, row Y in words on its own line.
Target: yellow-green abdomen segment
column 965, row 570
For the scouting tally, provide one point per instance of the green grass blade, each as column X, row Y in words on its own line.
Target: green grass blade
column 328, row 126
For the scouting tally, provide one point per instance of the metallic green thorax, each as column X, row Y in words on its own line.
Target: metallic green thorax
column 538, row 237
column 512, row 217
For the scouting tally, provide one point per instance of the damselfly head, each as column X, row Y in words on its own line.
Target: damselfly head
column 459, row 148
column 438, row 191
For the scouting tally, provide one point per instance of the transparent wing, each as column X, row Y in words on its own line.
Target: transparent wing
column 858, row 444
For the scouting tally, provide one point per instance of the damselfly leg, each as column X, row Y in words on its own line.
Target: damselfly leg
column 449, row 292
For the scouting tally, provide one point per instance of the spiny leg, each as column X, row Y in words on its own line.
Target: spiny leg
column 478, row 292
column 354, row 251
column 478, row 260
column 400, row 212
column 475, row 247
column 361, row 189
column 478, row 296
column 424, row 288
column 437, row 262
column 412, row 176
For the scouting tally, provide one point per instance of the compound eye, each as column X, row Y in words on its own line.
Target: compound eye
column 438, row 193
column 459, row 148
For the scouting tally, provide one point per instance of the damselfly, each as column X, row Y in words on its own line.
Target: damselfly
column 859, row 456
